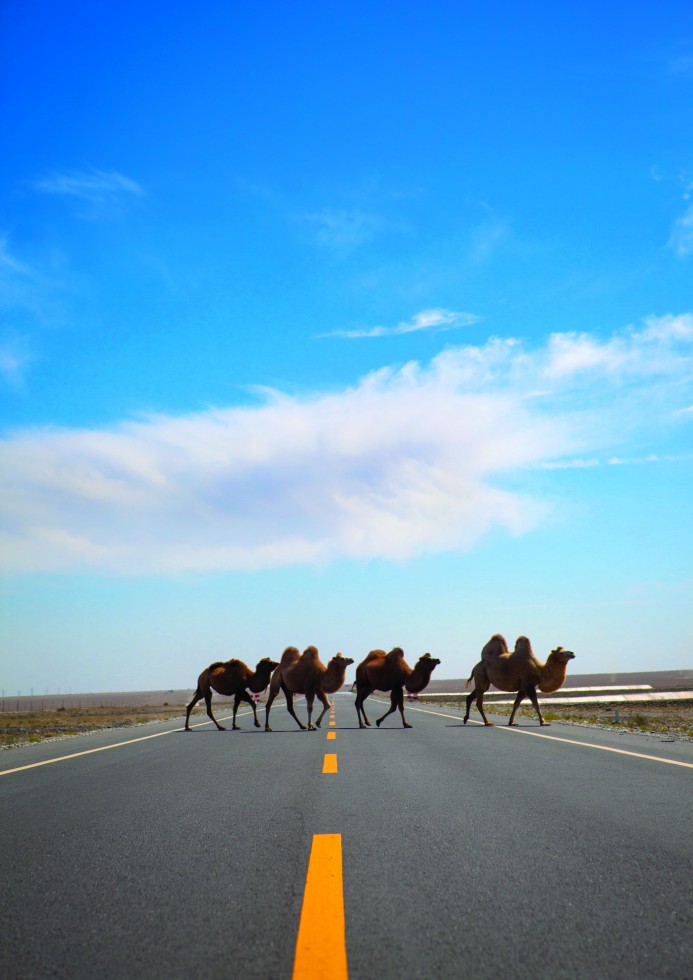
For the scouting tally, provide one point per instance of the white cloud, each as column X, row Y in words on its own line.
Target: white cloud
column 681, row 238
column 105, row 191
column 343, row 230
column 13, row 363
column 436, row 319
column 405, row 462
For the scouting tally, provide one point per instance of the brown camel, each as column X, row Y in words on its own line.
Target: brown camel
column 517, row 671
column 231, row 677
column 382, row 671
column 305, row 673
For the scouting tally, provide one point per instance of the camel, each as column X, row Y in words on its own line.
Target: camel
column 517, row 671
column 231, row 677
column 305, row 673
column 382, row 671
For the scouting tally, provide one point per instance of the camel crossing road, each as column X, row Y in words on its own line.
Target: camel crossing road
column 347, row 853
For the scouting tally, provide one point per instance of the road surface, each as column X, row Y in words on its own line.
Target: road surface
column 437, row 852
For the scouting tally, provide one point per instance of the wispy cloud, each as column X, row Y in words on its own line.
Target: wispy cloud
column 681, row 237
column 436, row 319
column 14, row 361
column 405, row 462
column 105, row 191
column 682, row 66
column 343, row 230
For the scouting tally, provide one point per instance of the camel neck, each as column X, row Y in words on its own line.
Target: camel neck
column 552, row 676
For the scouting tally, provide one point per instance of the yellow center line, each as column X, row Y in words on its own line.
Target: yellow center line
column 321, row 941
column 568, row 741
column 116, row 745
column 332, row 721
column 332, row 734
column 329, row 764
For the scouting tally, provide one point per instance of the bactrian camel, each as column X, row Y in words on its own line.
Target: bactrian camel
column 517, row 671
column 382, row 671
column 231, row 677
column 305, row 673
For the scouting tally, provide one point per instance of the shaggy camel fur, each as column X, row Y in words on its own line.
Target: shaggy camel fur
column 382, row 671
column 231, row 677
column 305, row 673
column 517, row 671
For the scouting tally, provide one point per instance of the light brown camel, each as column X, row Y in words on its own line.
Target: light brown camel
column 231, row 677
column 305, row 673
column 382, row 671
column 517, row 671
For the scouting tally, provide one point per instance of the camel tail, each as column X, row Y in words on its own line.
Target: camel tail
column 468, row 681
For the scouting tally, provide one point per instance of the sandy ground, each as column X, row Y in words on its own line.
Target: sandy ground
column 672, row 718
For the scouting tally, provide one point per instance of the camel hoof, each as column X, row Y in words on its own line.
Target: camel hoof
column 378, row 723
column 464, row 721
column 311, row 728
column 221, row 728
column 236, row 728
column 267, row 728
column 406, row 725
column 545, row 724
column 258, row 725
column 512, row 724
column 489, row 724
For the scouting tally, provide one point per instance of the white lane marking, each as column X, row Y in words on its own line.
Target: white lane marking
column 568, row 741
column 116, row 745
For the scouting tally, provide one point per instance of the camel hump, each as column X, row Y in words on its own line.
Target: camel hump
column 375, row 655
column 217, row 664
column 310, row 653
column 495, row 647
column 397, row 653
column 523, row 647
column 290, row 654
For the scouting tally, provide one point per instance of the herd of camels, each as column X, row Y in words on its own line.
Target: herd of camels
column 304, row 673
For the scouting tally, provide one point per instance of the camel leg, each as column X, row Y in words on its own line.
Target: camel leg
column 481, row 686
column 274, row 691
column 518, row 700
column 198, row 697
column 290, row 708
column 400, row 705
column 243, row 696
column 478, row 696
column 208, row 702
column 396, row 701
column 323, row 699
column 480, row 706
column 532, row 694
column 310, row 698
column 360, row 709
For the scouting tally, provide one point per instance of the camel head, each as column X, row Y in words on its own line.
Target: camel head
column 340, row 662
column 266, row 664
column 427, row 662
column 561, row 655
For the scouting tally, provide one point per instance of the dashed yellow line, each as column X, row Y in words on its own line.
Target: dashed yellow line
column 332, row 734
column 321, row 943
column 329, row 764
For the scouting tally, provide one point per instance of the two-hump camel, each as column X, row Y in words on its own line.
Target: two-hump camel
column 231, row 677
column 382, row 671
column 305, row 673
column 517, row 671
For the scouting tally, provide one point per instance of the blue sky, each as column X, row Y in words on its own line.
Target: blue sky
column 349, row 324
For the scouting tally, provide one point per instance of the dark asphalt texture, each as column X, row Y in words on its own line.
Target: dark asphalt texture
column 467, row 851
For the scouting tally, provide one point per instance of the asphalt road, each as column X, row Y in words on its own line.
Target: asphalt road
column 466, row 851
